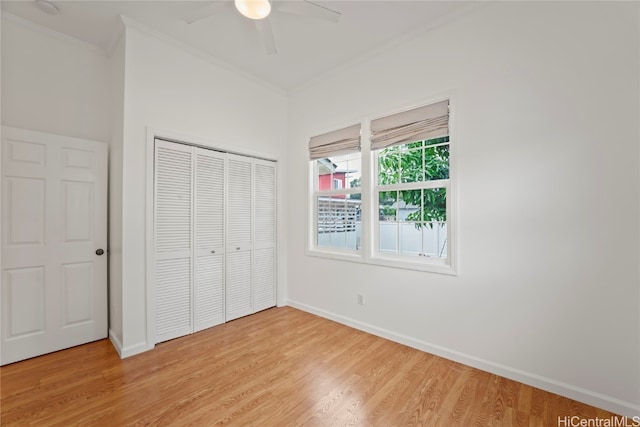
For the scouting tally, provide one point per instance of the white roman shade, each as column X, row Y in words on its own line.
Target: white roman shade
column 342, row 141
column 431, row 121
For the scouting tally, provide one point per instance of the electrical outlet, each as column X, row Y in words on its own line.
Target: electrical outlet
column 360, row 299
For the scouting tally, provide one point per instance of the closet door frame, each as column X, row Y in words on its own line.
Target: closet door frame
column 180, row 138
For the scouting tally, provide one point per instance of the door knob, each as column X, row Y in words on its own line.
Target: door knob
column 99, row 252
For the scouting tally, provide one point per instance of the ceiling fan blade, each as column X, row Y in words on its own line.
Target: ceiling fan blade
column 265, row 33
column 308, row 8
column 202, row 12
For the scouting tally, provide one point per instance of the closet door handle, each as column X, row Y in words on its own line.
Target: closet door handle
column 238, row 248
column 213, row 251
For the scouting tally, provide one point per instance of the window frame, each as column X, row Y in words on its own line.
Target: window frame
column 368, row 251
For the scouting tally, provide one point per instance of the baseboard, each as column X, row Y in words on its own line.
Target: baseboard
column 579, row 394
column 116, row 342
column 128, row 351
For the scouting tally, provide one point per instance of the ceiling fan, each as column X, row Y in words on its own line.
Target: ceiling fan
column 259, row 11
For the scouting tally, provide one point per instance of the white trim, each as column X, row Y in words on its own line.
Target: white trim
column 113, row 337
column 150, row 286
column 579, row 394
column 54, row 34
column 132, row 350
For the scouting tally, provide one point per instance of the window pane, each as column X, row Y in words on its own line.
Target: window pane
column 411, row 146
column 339, row 172
column 388, row 207
column 339, row 221
column 435, row 141
column 436, row 162
column 411, row 166
column 410, row 238
column 434, row 204
column 348, row 170
column 409, row 205
column 434, row 237
column 388, row 231
column 388, row 236
column 389, row 166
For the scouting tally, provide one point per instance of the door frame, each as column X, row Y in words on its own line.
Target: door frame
column 150, row 244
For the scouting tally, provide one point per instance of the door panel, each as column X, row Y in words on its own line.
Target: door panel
column 264, row 249
column 77, row 287
column 173, row 238
column 238, row 275
column 264, row 289
column 173, row 298
column 25, row 219
column 54, row 204
column 240, row 202
column 209, row 206
column 78, row 211
column 24, row 289
column 238, row 284
column 208, row 291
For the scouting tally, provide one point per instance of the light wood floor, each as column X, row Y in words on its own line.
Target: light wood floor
column 276, row 368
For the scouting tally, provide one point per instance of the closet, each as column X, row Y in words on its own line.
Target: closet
column 215, row 237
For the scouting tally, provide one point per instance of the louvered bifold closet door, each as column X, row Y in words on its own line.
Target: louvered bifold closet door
column 239, row 236
column 264, row 247
column 209, row 208
column 173, row 239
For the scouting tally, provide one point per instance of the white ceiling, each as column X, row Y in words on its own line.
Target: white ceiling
column 307, row 47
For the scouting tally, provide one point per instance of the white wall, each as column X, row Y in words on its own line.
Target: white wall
column 115, row 192
column 172, row 91
column 53, row 83
column 547, row 107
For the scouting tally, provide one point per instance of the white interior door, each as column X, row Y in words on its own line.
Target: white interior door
column 54, row 235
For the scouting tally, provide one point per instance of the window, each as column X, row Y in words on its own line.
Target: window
column 412, row 198
column 336, row 161
column 408, row 195
column 411, row 158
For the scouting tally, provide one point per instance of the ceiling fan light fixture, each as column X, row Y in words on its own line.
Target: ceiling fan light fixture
column 254, row 9
column 47, row 7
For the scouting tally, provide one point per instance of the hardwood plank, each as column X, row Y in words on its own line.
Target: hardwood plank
column 279, row 367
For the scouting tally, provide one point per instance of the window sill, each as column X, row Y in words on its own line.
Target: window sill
column 422, row 264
